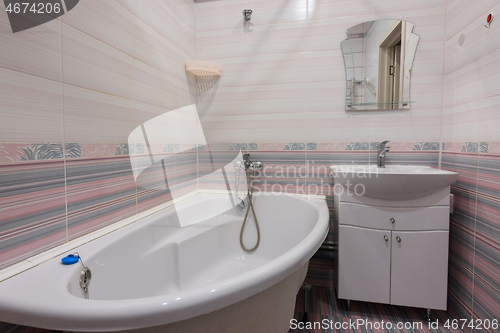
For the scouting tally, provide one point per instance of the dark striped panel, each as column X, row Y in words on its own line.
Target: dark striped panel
column 32, row 209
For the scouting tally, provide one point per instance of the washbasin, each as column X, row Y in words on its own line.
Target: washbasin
column 394, row 182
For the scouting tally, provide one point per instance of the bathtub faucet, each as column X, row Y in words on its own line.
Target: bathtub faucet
column 382, row 151
column 251, row 165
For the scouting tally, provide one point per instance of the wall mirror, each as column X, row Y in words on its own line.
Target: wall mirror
column 378, row 58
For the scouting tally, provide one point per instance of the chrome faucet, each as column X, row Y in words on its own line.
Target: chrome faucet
column 382, row 151
column 245, row 164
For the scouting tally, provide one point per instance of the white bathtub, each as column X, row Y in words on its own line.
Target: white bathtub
column 154, row 273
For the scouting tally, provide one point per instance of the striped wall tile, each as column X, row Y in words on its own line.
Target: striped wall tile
column 91, row 64
column 99, row 192
column 117, row 32
column 33, row 212
column 36, row 52
column 31, row 108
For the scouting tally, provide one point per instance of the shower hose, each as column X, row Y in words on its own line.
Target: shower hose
column 250, row 205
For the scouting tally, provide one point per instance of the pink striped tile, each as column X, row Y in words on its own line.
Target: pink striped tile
column 32, row 209
column 489, row 119
column 327, row 34
column 426, row 91
column 277, row 38
column 151, row 85
column 428, row 59
column 214, row 15
column 95, row 117
column 416, row 125
column 324, row 9
column 224, row 43
column 462, row 13
column 463, row 85
column 289, row 11
column 326, row 96
column 491, row 37
column 490, row 71
column 460, row 123
column 151, row 47
column 278, row 68
column 225, row 128
column 277, row 98
column 325, row 66
column 229, row 100
column 107, row 21
column 397, row 6
column 162, row 17
column 470, row 51
column 276, row 127
column 338, row 127
column 31, row 108
column 92, row 64
column 36, row 52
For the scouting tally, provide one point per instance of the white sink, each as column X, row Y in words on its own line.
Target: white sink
column 394, row 182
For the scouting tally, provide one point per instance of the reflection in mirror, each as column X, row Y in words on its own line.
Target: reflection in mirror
column 378, row 57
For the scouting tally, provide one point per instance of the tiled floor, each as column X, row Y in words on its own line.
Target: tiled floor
column 329, row 314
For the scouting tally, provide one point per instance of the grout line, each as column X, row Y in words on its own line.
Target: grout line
column 442, row 89
column 64, row 134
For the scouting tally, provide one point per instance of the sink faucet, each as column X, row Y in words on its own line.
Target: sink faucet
column 382, row 151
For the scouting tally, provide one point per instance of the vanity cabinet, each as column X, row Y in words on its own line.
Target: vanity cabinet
column 393, row 252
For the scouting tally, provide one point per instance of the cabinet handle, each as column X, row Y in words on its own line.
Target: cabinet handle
column 386, row 238
column 393, row 220
column 398, row 239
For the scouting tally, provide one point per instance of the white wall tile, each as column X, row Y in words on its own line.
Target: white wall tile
column 31, row 108
column 462, row 13
column 230, row 128
column 277, row 11
column 327, row 9
column 471, row 49
column 92, row 64
column 151, row 47
column 107, row 21
column 460, row 123
column 151, row 85
column 489, row 119
column 277, row 38
column 463, row 85
column 224, row 43
column 277, row 98
column 338, row 126
column 490, row 84
column 215, row 15
column 277, row 127
column 277, row 68
column 36, row 51
column 95, row 117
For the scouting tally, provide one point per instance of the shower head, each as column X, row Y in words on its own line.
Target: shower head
column 247, row 13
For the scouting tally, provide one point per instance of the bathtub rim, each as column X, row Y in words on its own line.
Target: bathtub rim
column 149, row 310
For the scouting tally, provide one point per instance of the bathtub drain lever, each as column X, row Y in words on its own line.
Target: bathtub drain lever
column 85, row 276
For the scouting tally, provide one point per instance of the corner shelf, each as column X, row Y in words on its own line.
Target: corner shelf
column 202, row 68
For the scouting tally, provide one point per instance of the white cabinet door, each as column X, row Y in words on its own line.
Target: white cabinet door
column 419, row 272
column 364, row 264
